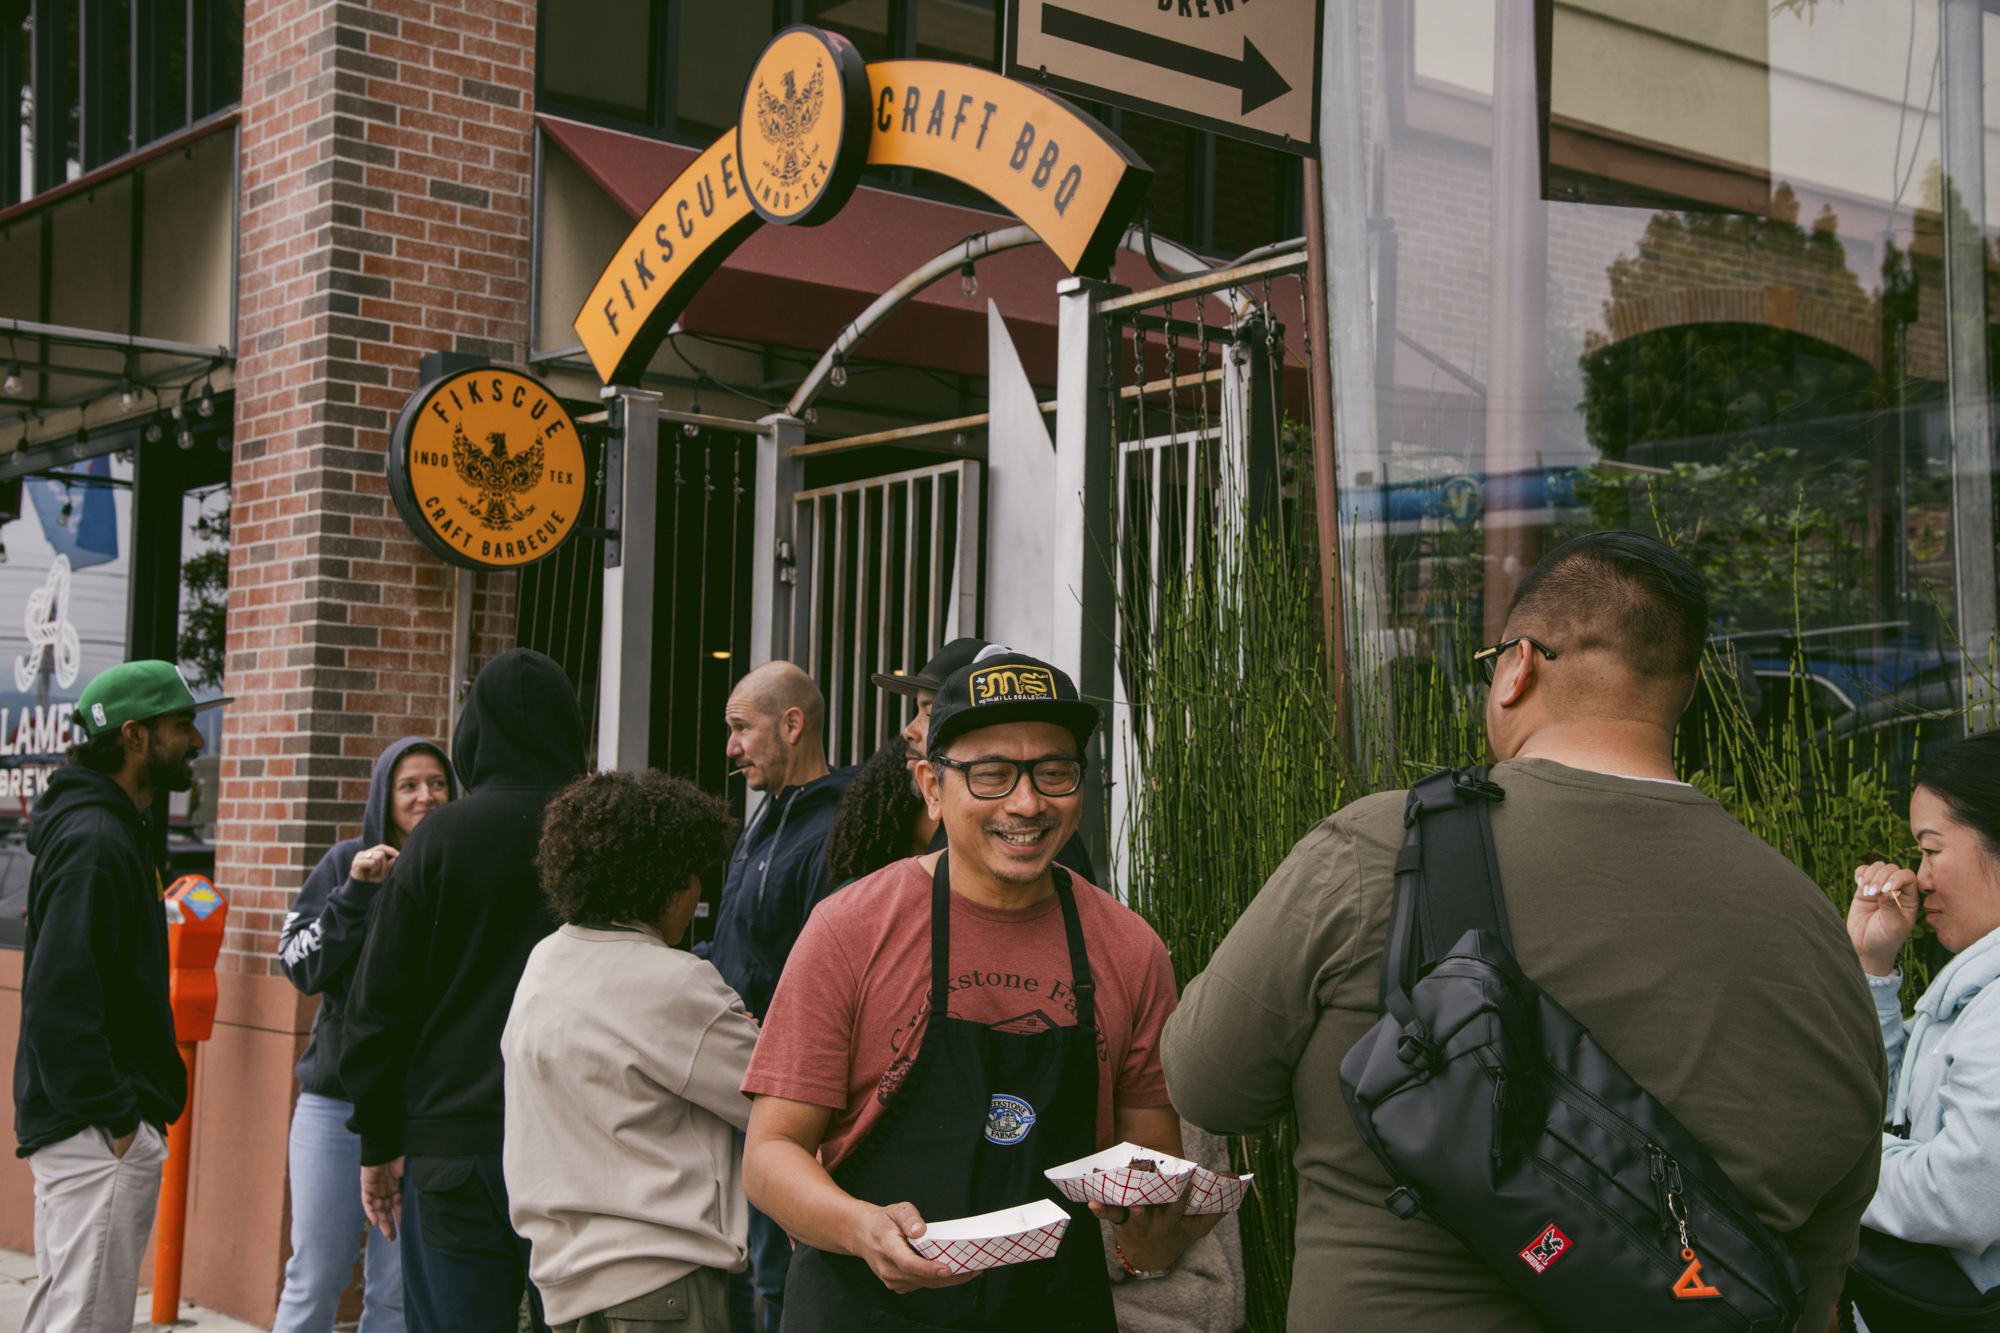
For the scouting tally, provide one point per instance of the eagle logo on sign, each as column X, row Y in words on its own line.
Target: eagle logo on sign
column 497, row 476
column 786, row 123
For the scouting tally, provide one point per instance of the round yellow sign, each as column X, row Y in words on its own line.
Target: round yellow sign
column 802, row 138
column 487, row 469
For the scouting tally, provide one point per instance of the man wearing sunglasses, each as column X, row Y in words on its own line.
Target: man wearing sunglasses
column 952, row 1026
column 1703, row 961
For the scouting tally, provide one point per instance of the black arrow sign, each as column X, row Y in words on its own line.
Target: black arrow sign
column 1252, row 74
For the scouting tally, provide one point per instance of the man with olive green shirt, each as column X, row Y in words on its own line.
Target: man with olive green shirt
column 1708, row 966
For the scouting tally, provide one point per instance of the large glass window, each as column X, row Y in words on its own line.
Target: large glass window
column 83, row 82
column 1720, row 270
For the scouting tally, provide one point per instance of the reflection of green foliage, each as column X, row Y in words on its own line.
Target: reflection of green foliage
column 1778, row 534
column 1712, row 379
column 204, row 621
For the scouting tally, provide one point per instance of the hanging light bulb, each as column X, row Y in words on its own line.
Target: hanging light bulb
column 839, row 373
column 179, row 407
column 82, row 434
column 207, row 404
column 155, row 432
column 69, row 507
column 184, row 437
column 128, row 394
column 12, row 386
column 968, row 279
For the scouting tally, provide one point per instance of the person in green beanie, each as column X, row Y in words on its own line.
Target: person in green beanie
column 97, row 1077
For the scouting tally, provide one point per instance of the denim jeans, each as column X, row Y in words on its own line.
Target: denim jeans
column 328, row 1226
column 464, row 1269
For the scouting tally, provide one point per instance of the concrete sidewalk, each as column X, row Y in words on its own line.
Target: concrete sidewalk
column 17, row 1282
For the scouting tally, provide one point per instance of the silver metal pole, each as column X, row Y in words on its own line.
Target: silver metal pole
column 1084, row 526
column 773, row 560
column 1343, row 176
column 460, row 682
column 1961, row 37
column 625, row 675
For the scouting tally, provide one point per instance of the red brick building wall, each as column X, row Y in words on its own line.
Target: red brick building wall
column 386, row 158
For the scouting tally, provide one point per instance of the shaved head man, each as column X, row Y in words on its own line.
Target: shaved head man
column 775, row 877
column 1708, row 965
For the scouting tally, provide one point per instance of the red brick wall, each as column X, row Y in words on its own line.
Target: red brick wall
column 386, row 158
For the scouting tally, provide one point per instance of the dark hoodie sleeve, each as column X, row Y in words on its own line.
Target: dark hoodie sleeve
column 62, row 994
column 384, row 1012
column 324, row 931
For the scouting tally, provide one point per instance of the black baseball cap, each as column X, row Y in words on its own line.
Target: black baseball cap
column 958, row 653
column 1005, row 686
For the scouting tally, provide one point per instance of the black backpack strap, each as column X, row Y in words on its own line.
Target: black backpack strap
column 1447, row 877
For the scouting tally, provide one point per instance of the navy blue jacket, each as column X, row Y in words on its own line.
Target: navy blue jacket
column 777, row 875
column 322, row 935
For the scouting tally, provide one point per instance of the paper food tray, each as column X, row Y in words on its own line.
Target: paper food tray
column 1010, row 1236
column 1106, row 1178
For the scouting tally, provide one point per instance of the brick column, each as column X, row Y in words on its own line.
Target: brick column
column 387, row 150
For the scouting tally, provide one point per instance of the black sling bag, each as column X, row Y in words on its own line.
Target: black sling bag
column 1497, row 1114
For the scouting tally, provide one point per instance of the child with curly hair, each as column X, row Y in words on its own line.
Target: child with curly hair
column 624, row 1058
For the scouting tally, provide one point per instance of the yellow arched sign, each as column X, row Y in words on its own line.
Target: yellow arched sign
column 790, row 161
column 486, row 469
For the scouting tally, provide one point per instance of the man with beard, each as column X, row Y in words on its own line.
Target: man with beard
column 923, row 687
column 954, row 1025
column 774, row 879
column 97, row 1077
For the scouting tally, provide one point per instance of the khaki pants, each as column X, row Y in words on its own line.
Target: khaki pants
column 698, row 1303
column 93, row 1212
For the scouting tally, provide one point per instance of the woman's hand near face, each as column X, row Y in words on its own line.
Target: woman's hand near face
column 372, row 866
column 1882, row 914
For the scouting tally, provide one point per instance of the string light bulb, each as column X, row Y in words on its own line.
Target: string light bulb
column 184, row 437
column 839, row 376
column 206, row 406
column 12, row 386
column 968, row 278
column 128, row 394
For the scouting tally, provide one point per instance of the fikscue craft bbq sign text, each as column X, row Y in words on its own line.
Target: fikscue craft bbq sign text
column 812, row 116
column 486, row 468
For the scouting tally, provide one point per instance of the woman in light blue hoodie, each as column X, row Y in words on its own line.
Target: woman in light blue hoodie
column 1940, row 1183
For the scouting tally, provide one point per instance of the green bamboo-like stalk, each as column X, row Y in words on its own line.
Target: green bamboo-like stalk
column 1234, row 725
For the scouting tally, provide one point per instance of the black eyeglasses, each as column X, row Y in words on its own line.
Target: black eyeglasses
column 991, row 779
column 1488, row 659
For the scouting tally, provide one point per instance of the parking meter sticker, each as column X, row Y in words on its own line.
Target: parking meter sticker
column 203, row 901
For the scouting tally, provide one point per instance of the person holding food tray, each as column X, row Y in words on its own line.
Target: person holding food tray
column 956, row 1024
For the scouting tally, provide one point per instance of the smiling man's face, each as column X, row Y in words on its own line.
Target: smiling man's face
column 1013, row 839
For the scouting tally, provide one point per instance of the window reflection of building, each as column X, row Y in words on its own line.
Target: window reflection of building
column 1750, row 250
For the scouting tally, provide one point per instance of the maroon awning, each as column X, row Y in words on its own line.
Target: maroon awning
column 798, row 286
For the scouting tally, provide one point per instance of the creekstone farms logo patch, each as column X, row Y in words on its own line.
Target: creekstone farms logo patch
column 492, row 469
column 1545, row 1249
column 1012, row 684
column 1008, row 1120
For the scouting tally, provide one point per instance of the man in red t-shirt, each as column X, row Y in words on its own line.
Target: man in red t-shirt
column 875, row 1112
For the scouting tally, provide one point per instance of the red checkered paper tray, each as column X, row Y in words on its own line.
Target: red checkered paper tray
column 1010, row 1236
column 1110, row 1177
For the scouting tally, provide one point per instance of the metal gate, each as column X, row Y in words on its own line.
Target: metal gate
column 887, row 573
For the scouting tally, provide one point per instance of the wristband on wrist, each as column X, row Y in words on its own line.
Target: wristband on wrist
column 1143, row 1272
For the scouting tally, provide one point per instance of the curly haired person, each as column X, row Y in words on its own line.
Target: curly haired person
column 624, row 1056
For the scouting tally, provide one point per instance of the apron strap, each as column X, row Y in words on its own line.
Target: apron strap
column 1079, row 959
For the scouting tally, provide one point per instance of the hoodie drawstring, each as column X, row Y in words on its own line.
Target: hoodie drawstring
column 1899, row 1110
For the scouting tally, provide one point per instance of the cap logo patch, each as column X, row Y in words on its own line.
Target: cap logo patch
column 97, row 714
column 1012, row 684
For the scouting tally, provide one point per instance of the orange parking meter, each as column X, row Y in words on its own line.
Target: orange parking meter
column 195, row 916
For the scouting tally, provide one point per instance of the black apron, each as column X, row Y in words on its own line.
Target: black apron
column 978, row 1118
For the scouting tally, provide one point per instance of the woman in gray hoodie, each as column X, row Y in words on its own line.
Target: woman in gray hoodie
column 1940, row 1183
column 318, row 947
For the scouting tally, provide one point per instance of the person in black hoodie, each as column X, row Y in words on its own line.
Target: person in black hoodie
column 97, row 1076
column 774, row 879
column 318, row 948
column 451, row 933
